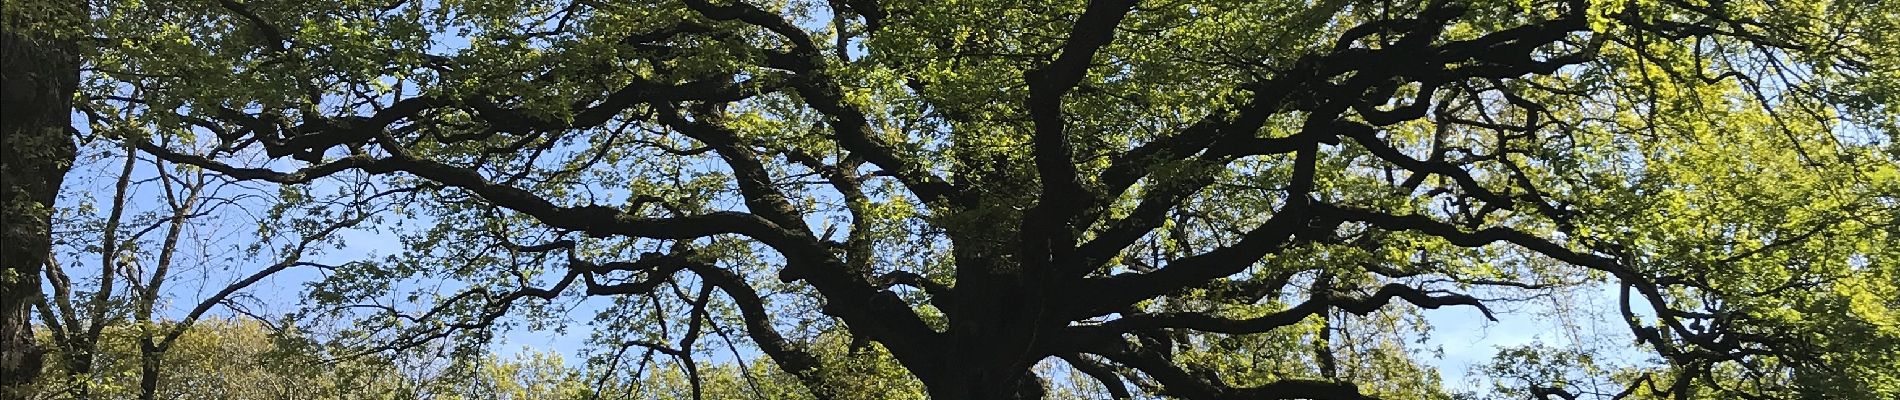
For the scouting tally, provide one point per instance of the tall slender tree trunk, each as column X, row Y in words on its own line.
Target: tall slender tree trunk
column 39, row 72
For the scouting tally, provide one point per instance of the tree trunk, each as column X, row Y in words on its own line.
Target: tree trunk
column 148, row 372
column 996, row 312
column 39, row 73
column 993, row 344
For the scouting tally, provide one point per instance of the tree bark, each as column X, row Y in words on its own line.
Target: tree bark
column 39, row 73
column 993, row 340
column 997, row 310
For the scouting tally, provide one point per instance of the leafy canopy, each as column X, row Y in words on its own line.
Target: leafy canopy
column 997, row 199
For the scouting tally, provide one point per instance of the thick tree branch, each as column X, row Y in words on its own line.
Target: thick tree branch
column 1101, row 373
column 1320, row 303
column 1460, row 237
column 1117, row 292
column 1048, row 230
column 758, row 320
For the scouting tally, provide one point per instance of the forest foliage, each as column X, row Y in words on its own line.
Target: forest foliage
column 978, row 199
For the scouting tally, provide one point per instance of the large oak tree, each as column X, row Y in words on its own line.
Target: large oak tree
column 1181, row 198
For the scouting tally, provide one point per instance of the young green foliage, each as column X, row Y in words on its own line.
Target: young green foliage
column 1015, row 199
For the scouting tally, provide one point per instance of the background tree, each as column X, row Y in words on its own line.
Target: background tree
column 161, row 226
column 39, row 73
column 1196, row 199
